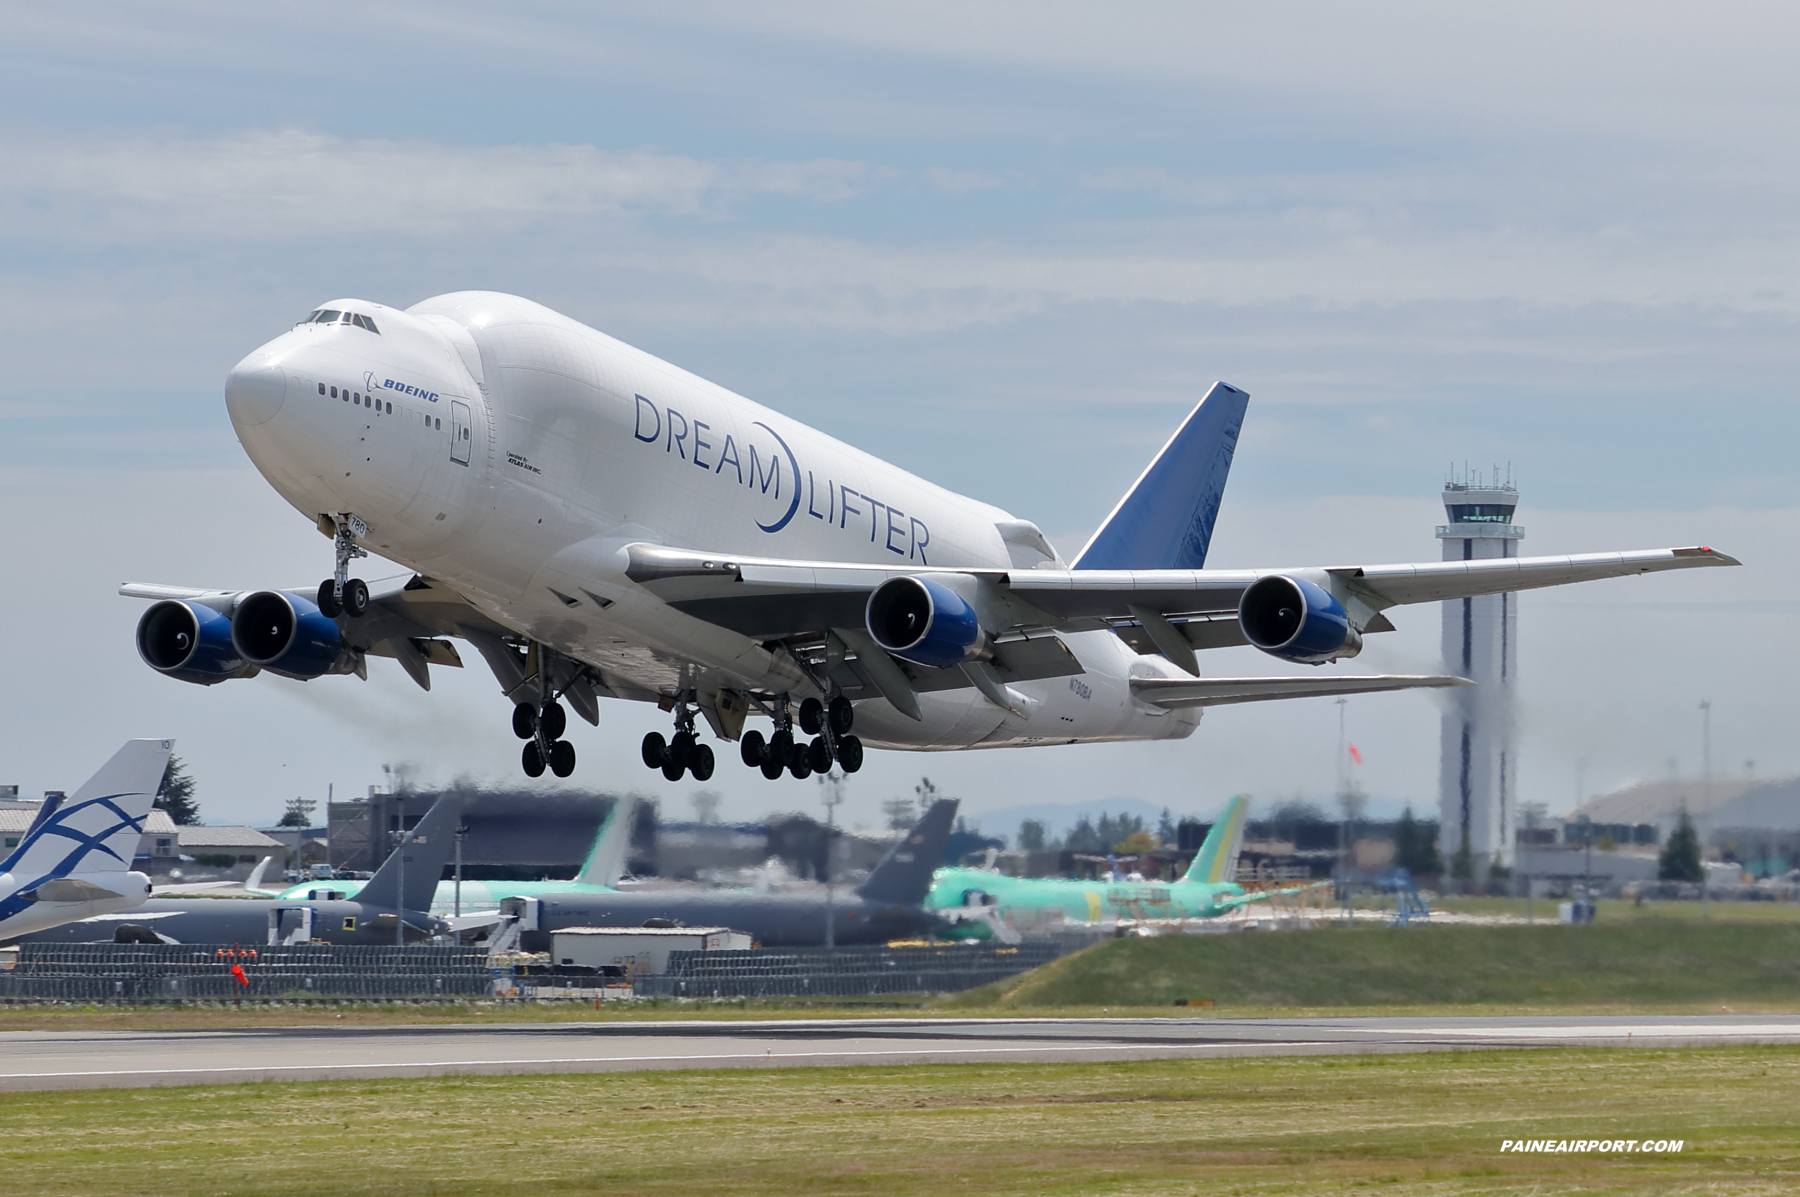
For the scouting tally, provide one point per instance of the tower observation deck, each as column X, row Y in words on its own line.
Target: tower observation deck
column 1479, row 761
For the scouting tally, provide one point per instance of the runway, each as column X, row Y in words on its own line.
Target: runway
column 33, row 1060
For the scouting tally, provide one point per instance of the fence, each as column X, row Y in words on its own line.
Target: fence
column 144, row 973
column 183, row 972
column 844, row 972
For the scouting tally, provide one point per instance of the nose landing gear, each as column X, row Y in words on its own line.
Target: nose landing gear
column 682, row 753
column 542, row 728
column 340, row 593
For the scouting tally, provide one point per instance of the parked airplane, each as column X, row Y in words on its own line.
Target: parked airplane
column 889, row 905
column 1205, row 891
column 599, row 523
column 378, row 915
column 599, row 874
column 75, row 859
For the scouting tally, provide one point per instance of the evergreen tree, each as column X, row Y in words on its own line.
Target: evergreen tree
column 299, row 813
column 1415, row 846
column 1680, row 857
column 1083, row 837
column 1031, row 835
column 176, row 793
column 1165, row 828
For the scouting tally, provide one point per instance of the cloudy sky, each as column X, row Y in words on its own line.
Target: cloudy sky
column 1006, row 245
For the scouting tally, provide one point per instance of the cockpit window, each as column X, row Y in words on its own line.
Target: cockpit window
column 333, row 316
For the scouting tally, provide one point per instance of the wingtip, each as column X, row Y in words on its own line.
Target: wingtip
column 1711, row 555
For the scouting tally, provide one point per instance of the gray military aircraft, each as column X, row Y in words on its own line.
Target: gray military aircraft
column 889, row 905
column 377, row 913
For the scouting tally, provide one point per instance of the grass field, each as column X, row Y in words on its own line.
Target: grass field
column 1404, row 1124
column 1614, row 910
column 1645, row 964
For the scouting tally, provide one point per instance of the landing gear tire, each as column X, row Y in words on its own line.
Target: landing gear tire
column 656, row 750
column 562, row 758
column 752, row 748
column 781, row 747
column 356, row 598
column 818, row 755
column 329, row 606
column 681, row 749
column 842, row 714
column 672, row 770
column 849, row 753
column 524, row 722
column 802, row 767
column 812, row 716
column 554, row 719
column 700, row 762
column 532, row 760
column 772, row 768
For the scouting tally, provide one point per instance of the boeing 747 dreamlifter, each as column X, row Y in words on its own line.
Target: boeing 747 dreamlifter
column 598, row 523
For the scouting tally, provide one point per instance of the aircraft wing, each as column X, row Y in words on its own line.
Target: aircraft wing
column 770, row 598
column 775, row 599
column 1223, row 691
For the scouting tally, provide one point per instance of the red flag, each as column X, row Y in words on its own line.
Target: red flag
column 1355, row 755
column 237, row 970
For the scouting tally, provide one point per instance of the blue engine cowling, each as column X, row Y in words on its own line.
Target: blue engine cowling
column 190, row 641
column 924, row 622
column 286, row 634
column 1296, row 620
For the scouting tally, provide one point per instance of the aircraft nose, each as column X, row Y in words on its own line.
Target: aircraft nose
column 254, row 390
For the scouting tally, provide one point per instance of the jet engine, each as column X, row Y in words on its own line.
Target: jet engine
column 925, row 622
column 1296, row 620
column 190, row 641
column 286, row 634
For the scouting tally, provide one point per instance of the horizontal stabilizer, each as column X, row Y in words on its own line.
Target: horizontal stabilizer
column 1222, row 691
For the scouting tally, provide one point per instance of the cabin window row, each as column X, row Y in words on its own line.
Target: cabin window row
column 381, row 408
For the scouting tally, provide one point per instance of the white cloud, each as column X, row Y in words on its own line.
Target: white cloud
column 293, row 184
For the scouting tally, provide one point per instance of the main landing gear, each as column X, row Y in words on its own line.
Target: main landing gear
column 681, row 754
column 828, row 725
column 542, row 728
column 340, row 594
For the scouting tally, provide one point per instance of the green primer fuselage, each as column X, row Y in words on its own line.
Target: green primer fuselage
column 1031, row 899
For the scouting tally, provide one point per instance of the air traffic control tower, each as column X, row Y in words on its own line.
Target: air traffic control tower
column 1479, row 763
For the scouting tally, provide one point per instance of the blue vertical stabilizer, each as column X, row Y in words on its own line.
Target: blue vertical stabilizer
column 1165, row 521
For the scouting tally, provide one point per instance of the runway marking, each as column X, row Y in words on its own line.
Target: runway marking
column 539, row 1061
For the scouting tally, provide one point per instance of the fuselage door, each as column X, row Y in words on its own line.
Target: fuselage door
column 460, row 434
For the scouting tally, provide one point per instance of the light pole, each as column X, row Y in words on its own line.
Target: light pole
column 831, row 785
column 400, row 876
column 1587, row 866
column 1705, row 797
column 460, row 832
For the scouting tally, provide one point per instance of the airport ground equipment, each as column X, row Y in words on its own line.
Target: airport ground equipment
column 139, row 973
column 633, row 951
column 596, row 523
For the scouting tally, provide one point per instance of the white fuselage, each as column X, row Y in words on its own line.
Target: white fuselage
column 524, row 451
